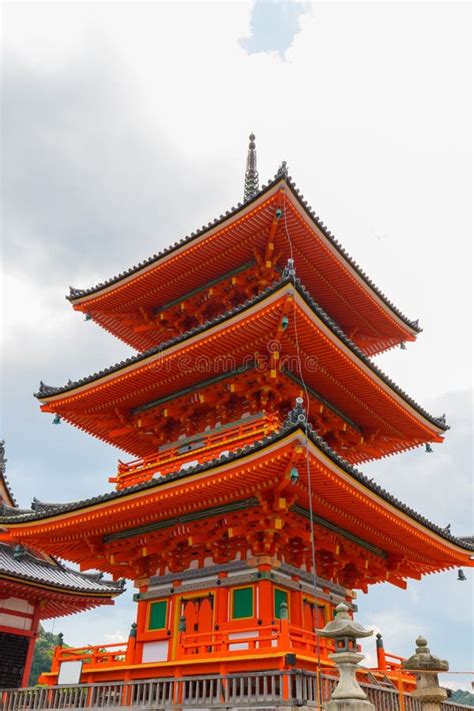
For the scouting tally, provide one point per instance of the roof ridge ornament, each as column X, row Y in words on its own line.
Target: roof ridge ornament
column 3, row 459
column 297, row 415
column 19, row 551
column 251, row 184
column 73, row 293
column 3, row 476
column 43, row 388
column 289, row 271
column 282, row 171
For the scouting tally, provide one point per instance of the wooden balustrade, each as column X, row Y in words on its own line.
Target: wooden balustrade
column 218, row 642
column 92, row 654
column 393, row 661
column 222, row 641
column 205, row 446
column 245, row 690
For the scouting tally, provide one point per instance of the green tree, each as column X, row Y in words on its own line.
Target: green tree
column 43, row 654
column 460, row 696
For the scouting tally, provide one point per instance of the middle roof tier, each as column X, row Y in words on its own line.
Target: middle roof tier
column 256, row 357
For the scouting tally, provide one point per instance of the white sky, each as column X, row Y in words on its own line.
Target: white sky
column 125, row 127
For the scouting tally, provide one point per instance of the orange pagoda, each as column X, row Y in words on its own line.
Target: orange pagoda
column 241, row 518
column 35, row 587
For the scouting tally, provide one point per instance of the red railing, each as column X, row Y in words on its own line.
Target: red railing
column 308, row 641
column 218, row 642
column 203, row 448
column 94, row 655
column 258, row 640
column 263, row 689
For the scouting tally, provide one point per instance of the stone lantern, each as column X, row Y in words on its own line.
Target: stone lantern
column 426, row 666
column 348, row 695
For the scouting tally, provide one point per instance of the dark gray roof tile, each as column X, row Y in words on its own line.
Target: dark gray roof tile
column 46, row 391
column 27, row 566
column 287, row 428
column 279, row 176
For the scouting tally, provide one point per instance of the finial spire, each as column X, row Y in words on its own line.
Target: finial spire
column 251, row 186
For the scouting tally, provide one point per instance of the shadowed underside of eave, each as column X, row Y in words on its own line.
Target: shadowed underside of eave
column 332, row 277
column 341, row 494
column 342, row 374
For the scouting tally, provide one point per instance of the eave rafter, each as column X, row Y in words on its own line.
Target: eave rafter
column 344, row 290
column 366, row 540
column 265, row 331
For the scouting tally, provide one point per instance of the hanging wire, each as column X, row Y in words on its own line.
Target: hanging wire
column 308, row 468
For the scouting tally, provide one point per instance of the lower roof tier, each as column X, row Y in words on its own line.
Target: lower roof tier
column 255, row 501
column 56, row 589
column 283, row 334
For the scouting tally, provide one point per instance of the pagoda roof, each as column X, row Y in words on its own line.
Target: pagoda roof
column 27, row 566
column 53, row 509
column 359, row 301
column 6, row 493
column 362, row 497
column 67, row 590
column 61, row 398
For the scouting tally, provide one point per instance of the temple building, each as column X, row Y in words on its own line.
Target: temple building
column 242, row 516
column 34, row 587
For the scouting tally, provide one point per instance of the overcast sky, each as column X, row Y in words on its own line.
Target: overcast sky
column 124, row 128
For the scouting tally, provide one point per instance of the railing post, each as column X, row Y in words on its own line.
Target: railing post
column 401, row 693
column 177, row 687
column 131, row 644
column 124, row 694
column 381, row 661
column 56, row 654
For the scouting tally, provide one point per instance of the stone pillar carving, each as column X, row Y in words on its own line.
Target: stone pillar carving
column 348, row 695
column 426, row 666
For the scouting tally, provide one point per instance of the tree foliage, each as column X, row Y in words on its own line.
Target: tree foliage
column 43, row 654
column 465, row 698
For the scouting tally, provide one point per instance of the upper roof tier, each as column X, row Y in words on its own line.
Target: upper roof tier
column 263, row 233
column 281, row 328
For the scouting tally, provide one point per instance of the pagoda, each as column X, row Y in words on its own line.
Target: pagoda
column 34, row 587
column 242, row 519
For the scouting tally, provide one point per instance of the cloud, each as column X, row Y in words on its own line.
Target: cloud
column 440, row 612
column 273, row 26
column 124, row 127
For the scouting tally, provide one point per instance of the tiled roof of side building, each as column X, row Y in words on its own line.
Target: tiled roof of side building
column 18, row 562
column 4, row 483
column 47, row 390
column 289, row 427
column 280, row 176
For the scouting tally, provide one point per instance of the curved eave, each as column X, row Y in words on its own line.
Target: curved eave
column 54, row 397
column 99, row 296
column 371, row 495
column 26, row 582
column 6, row 492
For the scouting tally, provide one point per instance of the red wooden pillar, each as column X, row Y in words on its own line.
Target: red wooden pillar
column 221, row 615
column 265, row 600
column 31, row 646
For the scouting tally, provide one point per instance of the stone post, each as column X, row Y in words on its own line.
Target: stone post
column 425, row 667
column 348, row 695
